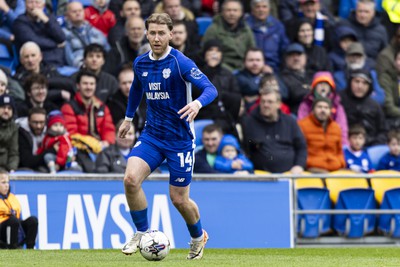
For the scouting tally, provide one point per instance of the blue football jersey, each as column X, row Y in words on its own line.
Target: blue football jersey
column 166, row 83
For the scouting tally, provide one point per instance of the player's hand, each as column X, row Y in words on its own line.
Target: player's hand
column 190, row 111
column 124, row 129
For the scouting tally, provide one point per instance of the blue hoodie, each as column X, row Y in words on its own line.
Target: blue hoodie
column 225, row 165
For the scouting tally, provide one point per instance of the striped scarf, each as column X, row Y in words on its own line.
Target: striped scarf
column 319, row 32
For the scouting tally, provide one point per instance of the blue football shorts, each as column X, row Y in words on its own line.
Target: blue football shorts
column 179, row 156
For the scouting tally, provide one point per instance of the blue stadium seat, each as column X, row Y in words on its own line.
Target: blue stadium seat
column 389, row 224
column 198, row 129
column 313, row 225
column 375, row 153
column 203, row 24
column 63, row 172
column 86, row 3
column 7, row 59
column 355, row 225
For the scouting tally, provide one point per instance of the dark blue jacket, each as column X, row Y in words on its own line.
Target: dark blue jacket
column 46, row 35
column 271, row 38
column 201, row 164
column 337, row 55
column 389, row 162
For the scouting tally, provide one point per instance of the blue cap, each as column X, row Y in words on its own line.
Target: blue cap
column 295, row 48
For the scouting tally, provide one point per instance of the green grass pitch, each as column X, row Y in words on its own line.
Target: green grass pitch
column 377, row 256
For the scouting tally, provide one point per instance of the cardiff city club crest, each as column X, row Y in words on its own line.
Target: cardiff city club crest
column 196, row 73
column 166, row 73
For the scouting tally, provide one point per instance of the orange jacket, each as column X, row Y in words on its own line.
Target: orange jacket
column 324, row 147
column 9, row 205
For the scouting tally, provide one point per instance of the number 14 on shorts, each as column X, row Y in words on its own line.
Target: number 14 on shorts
column 185, row 160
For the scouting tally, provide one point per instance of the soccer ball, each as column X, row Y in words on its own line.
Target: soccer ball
column 154, row 245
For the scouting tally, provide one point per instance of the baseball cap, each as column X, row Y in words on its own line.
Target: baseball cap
column 355, row 48
column 295, row 48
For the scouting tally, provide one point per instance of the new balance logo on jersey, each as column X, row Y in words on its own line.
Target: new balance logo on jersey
column 180, row 180
column 145, row 74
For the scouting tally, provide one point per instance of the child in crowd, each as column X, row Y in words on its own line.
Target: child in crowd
column 229, row 158
column 113, row 159
column 14, row 232
column 58, row 138
column 391, row 160
column 3, row 83
column 356, row 157
column 100, row 16
column 323, row 85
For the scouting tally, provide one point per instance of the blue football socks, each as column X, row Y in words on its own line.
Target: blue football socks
column 139, row 218
column 195, row 230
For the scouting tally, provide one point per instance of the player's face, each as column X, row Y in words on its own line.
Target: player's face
column 38, row 93
column 37, row 123
column 87, row 87
column 4, row 184
column 357, row 141
column 211, row 141
column 125, row 80
column 394, row 147
column 159, row 36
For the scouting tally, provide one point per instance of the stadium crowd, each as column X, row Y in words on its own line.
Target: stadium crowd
column 303, row 84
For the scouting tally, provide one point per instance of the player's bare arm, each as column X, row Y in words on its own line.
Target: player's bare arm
column 190, row 111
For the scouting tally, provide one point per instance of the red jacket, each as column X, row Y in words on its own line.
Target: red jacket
column 64, row 143
column 77, row 116
column 324, row 147
column 104, row 22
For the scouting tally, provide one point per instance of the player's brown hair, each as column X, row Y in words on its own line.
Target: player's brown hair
column 160, row 18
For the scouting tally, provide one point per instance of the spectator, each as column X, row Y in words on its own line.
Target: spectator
column 31, row 132
column 93, row 61
column 289, row 9
column 57, row 136
column 385, row 59
column 3, row 83
column 128, row 47
column 272, row 139
column 117, row 102
column 347, row 6
column 317, row 58
column 43, row 29
column 128, row 8
column 13, row 88
column 205, row 157
column 371, row 33
column 224, row 110
column 9, row 157
column 79, row 33
column 233, row 33
column 230, row 159
column 323, row 137
column 357, row 59
column 61, row 88
column 9, row 11
column 322, row 23
column 56, row 7
column 391, row 160
column 269, row 33
column 249, row 77
column 296, row 77
column 362, row 109
column 113, row 159
column 36, row 88
column 345, row 37
column 357, row 158
column 88, row 115
column 178, row 13
column 100, row 16
column 181, row 42
column 323, row 85
column 146, row 7
column 10, row 219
